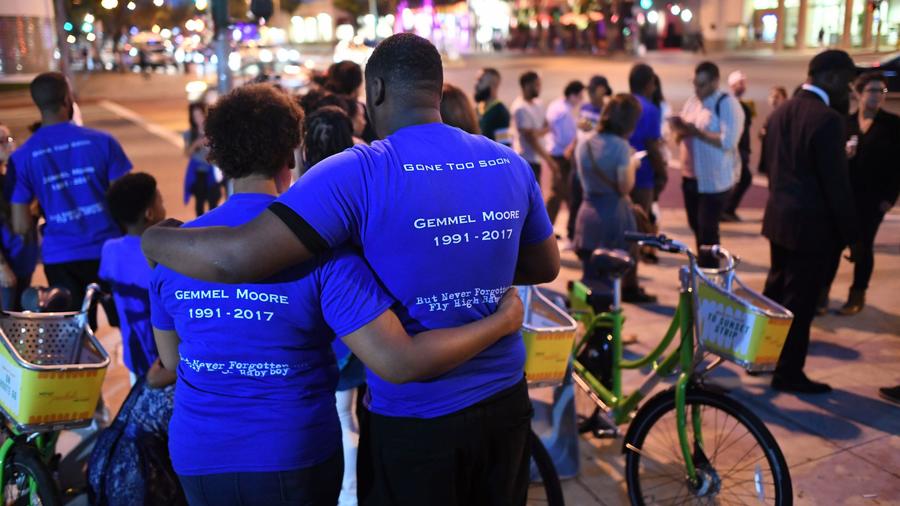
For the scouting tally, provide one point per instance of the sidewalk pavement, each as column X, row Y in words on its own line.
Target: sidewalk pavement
column 842, row 448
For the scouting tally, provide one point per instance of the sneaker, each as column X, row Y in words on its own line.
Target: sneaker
column 731, row 218
column 890, row 394
column 638, row 296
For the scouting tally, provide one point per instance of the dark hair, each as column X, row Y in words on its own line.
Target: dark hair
column 49, row 90
column 596, row 82
column 253, row 130
column 639, row 77
column 781, row 90
column 130, row 196
column 657, row 97
column 527, row 78
column 344, row 78
column 573, row 88
column 457, row 110
column 195, row 128
column 709, row 68
column 620, row 115
column 327, row 131
column 407, row 62
column 491, row 71
column 867, row 77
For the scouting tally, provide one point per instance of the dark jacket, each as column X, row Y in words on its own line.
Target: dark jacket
column 810, row 202
column 875, row 170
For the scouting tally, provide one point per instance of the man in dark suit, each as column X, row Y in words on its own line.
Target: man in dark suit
column 810, row 212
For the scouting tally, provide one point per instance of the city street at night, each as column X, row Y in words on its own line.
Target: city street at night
column 449, row 252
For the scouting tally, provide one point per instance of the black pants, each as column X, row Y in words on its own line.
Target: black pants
column 743, row 184
column 318, row 485
column 476, row 456
column 536, row 168
column 576, row 195
column 75, row 277
column 704, row 210
column 865, row 264
column 205, row 195
column 795, row 280
column 559, row 188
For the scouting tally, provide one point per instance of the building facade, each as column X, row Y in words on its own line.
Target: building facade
column 801, row 24
column 27, row 38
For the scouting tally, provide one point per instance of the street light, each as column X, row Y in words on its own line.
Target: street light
column 158, row 3
column 89, row 18
column 131, row 6
column 109, row 4
column 67, row 26
column 687, row 15
column 201, row 5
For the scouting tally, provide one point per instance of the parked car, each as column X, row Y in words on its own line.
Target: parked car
column 888, row 65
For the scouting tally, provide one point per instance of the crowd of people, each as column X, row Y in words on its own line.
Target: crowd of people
column 343, row 325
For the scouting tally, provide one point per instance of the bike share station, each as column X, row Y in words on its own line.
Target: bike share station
column 688, row 442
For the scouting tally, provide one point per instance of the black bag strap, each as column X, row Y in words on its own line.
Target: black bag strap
column 603, row 177
column 719, row 102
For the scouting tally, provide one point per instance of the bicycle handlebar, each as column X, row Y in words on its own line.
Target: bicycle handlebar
column 93, row 292
column 660, row 242
column 720, row 252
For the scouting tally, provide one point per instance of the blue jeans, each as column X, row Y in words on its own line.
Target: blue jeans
column 311, row 486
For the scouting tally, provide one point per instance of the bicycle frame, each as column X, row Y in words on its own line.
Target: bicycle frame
column 682, row 360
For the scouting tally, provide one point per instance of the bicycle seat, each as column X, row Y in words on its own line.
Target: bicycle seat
column 613, row 263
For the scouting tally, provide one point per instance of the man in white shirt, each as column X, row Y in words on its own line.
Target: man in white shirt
column 708, row 131
column 563, row 131
column 530, row 126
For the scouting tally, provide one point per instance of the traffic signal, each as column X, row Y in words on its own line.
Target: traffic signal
column 261, row 8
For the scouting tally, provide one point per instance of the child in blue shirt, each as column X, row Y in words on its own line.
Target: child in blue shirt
column 136, row 204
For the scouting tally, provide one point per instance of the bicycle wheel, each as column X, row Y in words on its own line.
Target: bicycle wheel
column 738, row 461
column 550, row 486
column 27, row 482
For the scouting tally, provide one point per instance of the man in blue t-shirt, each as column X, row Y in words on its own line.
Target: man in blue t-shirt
column 448, row 221
column 136, row 204
column 68, row 169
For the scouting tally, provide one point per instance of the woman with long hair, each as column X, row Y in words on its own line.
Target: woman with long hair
column 201, row 181
column 457, row 110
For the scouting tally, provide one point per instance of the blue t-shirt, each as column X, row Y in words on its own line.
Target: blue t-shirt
column 123, row 266
column 257, row 376
column 590, row 112
column 68, row 169
column 20, row 251
column 649, row 128
column 440, row 216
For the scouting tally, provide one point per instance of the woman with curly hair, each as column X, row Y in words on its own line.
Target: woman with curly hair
column 255, row 420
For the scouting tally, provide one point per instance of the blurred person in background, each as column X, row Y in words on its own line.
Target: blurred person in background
column 529, row 125
column 598, row 93
column 737, row 81
column 809, row 214
column 561, row 119
column 607, row 169
column 457, row 110
column 201, row 180
column 18, row 254
column 346, row 79
column 872, row 150
column 777, row 96
column 708, row 131
column 493, row 116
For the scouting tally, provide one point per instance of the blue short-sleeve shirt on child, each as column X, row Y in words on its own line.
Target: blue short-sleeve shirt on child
column 68, row 169
column 257, row 376
column 440, row 216
column 123, row 266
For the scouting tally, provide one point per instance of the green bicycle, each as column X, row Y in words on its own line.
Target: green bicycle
column 690, row 443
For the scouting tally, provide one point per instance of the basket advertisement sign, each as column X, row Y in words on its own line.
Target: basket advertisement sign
column 549, row 335
column 42, row 397
column 547, row 354
column 734, row 330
